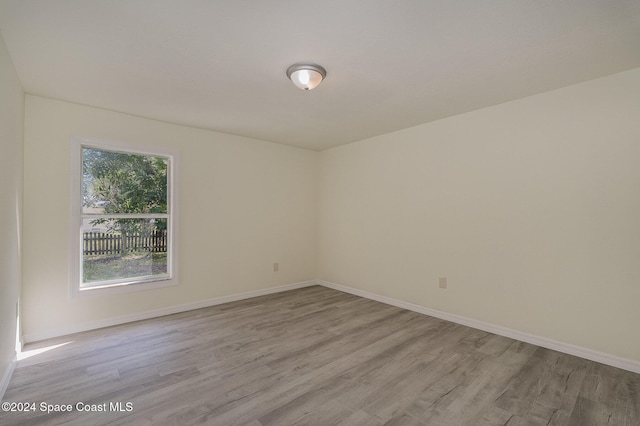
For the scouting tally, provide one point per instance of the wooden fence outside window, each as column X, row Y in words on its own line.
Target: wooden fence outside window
column 97, row 243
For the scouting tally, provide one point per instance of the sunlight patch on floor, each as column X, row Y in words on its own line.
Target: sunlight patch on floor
column 33, row 352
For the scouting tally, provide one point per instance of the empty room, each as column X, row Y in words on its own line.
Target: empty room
column 320, row 213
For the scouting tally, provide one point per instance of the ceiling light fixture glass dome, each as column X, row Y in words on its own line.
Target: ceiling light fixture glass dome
column 306, row 76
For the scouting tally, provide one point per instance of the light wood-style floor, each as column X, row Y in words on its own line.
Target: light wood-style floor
column 316, row 356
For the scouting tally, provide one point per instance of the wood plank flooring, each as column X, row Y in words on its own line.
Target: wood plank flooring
column 314, row 356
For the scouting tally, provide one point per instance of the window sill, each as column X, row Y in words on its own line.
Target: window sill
column 124, row 287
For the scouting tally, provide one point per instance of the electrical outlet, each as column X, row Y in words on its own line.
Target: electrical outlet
column 275, row 267
column 442, row 282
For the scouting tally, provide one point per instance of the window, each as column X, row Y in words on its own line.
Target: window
column 124, row 218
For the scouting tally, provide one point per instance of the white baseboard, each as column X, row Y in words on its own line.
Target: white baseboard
column 6, row 377
column 601, row 357
column 108, row 322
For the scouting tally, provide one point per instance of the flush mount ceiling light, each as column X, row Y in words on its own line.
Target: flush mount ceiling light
column 306, row 76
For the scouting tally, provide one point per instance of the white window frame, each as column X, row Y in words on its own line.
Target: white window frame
column 77, row 216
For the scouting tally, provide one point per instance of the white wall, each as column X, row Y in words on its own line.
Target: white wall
column 531, row 209
column 11, row 139
column 244, row 204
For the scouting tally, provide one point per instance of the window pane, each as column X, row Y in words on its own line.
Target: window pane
column 117, row 183
column 122, row 249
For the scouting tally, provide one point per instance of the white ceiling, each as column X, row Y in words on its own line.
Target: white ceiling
column 220, row 64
